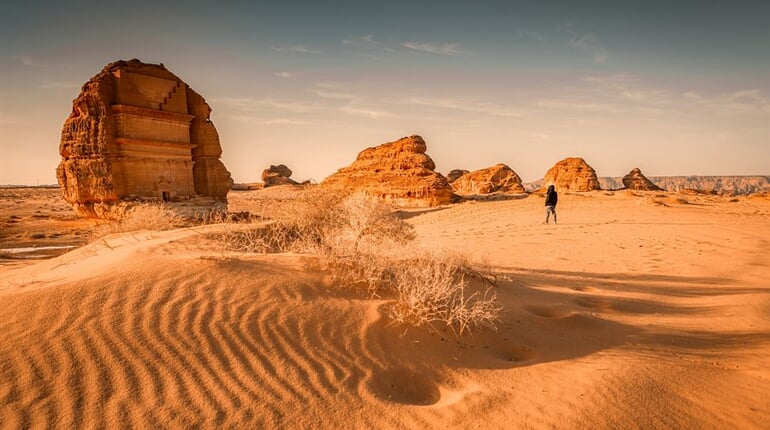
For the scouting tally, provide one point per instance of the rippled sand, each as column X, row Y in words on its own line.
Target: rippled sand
column 636, row 311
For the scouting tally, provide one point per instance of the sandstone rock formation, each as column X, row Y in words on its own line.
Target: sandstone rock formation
column 572, row 174
column 498, row 178
column 635, row 180
column 138, row 132
column 453, row 175
column 400, row 172
column 277, row 175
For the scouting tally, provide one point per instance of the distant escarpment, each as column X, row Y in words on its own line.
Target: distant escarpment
column 399, row 172
column 734, row 185
column 498, row 178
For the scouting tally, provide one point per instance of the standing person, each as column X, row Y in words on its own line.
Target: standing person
column 551, row 197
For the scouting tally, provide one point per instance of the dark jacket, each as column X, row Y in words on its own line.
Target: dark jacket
column 551, row 196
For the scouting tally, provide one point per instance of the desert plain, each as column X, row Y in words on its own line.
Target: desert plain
column 639, row 310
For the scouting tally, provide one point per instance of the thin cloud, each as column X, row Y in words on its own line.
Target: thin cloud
column 29, row 61
column 333, row 90
column 286, row 75
column 365, row 40
column 445, row 49
column 578, row 106
column 248, row 104
column 741, row 102
column 296, row 49
column 588, row 43
column 270, row 121
column 326, row 94
column 466, row 106
column 368, row 112
column 55, row 85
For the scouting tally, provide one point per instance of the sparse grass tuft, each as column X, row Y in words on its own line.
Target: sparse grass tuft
column 153, row 217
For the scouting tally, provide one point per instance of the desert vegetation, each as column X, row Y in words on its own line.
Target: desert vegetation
column 361, row 242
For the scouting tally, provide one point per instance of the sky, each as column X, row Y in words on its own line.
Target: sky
column 674, row 88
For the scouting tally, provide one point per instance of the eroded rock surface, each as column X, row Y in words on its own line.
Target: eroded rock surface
column 498, row 178
column 277, row 175
column 455, row 174
column 572, row 174
column 635, row 180
column 400, row 172
column 138, row 132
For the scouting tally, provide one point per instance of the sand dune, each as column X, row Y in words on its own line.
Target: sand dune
column 634, row 312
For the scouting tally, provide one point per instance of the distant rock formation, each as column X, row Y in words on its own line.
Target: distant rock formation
column 453, row 175
column 498, row 178
column 277, row 175
column 400, row 172
column 572, row 174
column 138, row 132
column 635, row 180
column 732, row 185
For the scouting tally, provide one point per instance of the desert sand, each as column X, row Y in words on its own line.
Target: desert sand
column 638, row 310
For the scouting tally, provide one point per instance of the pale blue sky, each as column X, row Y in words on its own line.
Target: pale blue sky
column 680, row 88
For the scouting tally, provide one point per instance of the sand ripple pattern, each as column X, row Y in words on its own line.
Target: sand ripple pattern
column 179, row 348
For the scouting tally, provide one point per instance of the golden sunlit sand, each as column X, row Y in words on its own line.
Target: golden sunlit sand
column 638, row 310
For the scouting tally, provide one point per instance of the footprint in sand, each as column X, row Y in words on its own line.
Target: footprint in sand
column 515, row 353
column 402, row 385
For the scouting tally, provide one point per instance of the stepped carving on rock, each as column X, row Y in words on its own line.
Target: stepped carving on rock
column 399, row 172
column 138, row 132
column 635, row 180
column 277, row 175
column 498, row 178
column 572, row 174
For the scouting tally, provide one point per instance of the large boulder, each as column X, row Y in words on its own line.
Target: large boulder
column 138, row 132
column 635, row 180
column 399, row 172
column 572, row 174
column 498, row 178
column 455, row 174
column 277, row 175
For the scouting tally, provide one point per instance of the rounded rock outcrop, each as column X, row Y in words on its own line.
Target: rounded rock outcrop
column 572, row 174
column 635, row 180
column 498, row 178
column 277, row 175
column 455, row 174
column 399, row 172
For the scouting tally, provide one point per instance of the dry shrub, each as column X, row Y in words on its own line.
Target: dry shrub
column 365, row 245
column 153, row 217
column 433, row 288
